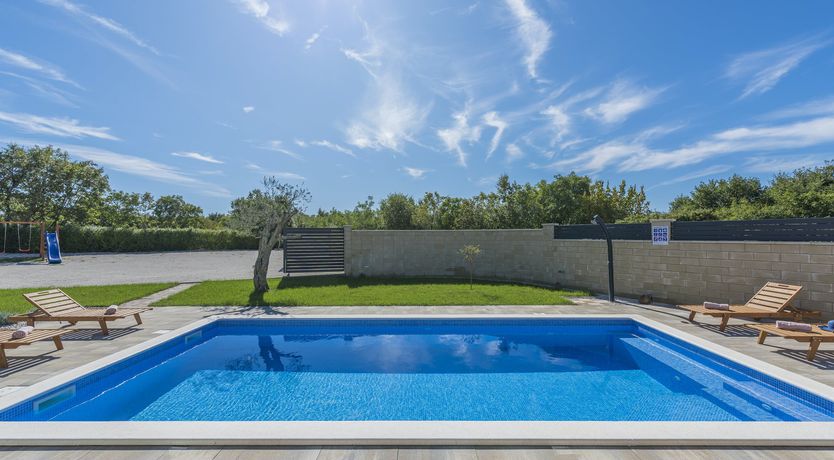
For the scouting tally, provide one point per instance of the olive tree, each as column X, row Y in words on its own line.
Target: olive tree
column 264, row 213
column 470, row 252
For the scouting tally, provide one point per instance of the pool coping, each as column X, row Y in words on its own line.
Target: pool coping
column 584, row 433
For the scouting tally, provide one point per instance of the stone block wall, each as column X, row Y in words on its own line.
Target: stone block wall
column 681, row 272
column 505, row 254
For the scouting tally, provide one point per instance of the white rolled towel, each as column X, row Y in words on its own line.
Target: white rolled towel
column 792, row 326
column 22, row 332
column 111, row 310
column 716, row 306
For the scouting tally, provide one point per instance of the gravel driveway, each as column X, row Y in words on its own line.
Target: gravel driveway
column 93, row 269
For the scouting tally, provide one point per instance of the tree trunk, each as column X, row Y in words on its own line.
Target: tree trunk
column 261, row 269
column 269, row 238
column 259, row 279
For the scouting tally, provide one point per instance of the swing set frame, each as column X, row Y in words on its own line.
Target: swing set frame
column 40, row 224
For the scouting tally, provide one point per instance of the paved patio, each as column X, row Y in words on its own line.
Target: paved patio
column 31, row 364
column 150, row 267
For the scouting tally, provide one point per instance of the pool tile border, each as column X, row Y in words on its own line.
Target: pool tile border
column 416, row 433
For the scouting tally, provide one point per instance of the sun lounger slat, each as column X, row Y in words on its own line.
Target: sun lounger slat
column 771, row 297
column 45, row 291
column 771, row 301
column 784, row 289
column 766, row 303
column 765, row 296
column 58, row 306
column 6, row 341
column 777, row 291
column 45, row 298
column 814, row 338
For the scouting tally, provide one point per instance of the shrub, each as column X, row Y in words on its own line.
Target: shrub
column 112, row 239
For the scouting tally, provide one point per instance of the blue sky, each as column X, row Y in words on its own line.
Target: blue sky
column 203, row 98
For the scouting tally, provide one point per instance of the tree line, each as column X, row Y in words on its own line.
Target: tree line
column 569, row 199
column 43, row 183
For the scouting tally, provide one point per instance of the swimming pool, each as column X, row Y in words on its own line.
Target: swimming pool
column 372, row 370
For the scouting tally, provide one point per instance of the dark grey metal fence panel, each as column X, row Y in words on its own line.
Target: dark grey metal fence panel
column 813, row 229
column 593, row 232
column 309, row 250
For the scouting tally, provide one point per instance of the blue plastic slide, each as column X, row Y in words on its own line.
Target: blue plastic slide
column 53, row 251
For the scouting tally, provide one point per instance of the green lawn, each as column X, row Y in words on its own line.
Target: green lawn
column 13, row 303
column 338, row 290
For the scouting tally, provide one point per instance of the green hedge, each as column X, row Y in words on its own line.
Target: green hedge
column 109, row 239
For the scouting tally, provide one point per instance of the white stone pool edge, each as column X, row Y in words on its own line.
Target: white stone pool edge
column 403, row 433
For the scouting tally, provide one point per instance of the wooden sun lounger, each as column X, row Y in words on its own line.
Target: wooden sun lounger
column 56, row 305
column 772, row 301
column 814, row 338
column 7, row 342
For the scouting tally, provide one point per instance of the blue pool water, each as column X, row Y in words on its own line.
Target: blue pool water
column 426, row 370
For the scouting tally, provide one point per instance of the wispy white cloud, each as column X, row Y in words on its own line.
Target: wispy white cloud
column 458, row 133
column 492, row 119
column 259, row 9
column 278, row 146
column 415, row 173
column 631, row 155
column 63, row 127
column 763, row 69
column 279, row 174
column 706, row 172
column 370, row 57
column 777, row 164
column 487, row 180
column 197, row 156
column 819, row 106
column 116, row 38
column 313, row 38
column 45, row 89
column 106, row 23
column 35, row 65
column 514, row 152
column 459, row 11
column 391, row 119
column 143, row 167
column 533, row 32
column 332, row 146
column 300, row 143
column 367, row 59
column 621, row 100
column 287, row 175
column 248, row 109
column 560, row 121
column 561, row 114
column 596, row 158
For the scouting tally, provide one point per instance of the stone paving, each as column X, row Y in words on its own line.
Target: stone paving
column 29, row 365
column 150, row 267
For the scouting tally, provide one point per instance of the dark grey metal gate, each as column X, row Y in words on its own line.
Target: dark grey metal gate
column 310, row 250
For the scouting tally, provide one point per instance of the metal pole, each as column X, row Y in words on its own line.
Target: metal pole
column 43, row 238
column 598, row 220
